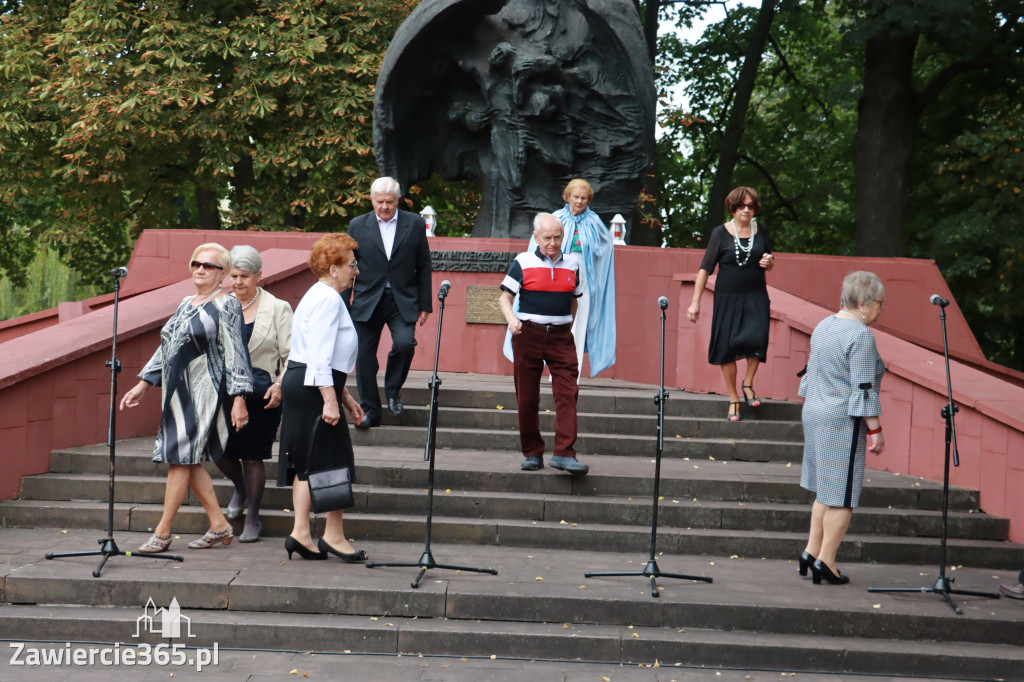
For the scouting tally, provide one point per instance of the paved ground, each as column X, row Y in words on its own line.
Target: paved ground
column 257, row 666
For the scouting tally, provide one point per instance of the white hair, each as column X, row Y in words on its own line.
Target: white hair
column 245, row 257
column 540, row 218
column 385, row 185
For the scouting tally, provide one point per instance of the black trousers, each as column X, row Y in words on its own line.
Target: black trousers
column 403, row 347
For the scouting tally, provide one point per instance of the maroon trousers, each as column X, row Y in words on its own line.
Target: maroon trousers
column 531, row 348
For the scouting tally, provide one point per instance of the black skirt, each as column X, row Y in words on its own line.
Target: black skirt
column 302, row 405
column 256, row 439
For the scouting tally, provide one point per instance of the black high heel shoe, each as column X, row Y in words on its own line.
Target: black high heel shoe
column 805, row 562
column 354, row 558
column 819, row 570
column 293, row 545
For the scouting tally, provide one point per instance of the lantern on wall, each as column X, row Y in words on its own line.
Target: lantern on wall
column 618, row 228
column 430, row 218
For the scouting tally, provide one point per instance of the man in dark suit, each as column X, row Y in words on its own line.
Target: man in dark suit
column 392, row 288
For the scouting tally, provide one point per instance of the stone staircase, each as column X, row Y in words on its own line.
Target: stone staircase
column 731, row 509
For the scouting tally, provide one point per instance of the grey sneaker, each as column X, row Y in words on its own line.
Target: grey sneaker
column 532, row 463
column 570, row 464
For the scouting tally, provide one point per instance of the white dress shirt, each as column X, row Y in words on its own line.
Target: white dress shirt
column 387, row 232
column 323, row 335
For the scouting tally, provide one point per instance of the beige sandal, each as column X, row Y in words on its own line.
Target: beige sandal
column 156, row 544
column 212, row 538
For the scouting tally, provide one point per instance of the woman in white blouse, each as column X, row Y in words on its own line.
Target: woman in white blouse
column 323, row 352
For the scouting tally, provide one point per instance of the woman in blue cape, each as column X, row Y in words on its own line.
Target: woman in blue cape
column 585, row 233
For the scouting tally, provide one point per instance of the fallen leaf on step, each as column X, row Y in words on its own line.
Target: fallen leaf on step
column 636, row 635
column 562, row 523
column 876, row 606
column 293, row 671
column 493, row 657
column 678, row 436
column 63, row 532
column 499, row 407
column 448, row 490
column 539, row 579
column 712, row 459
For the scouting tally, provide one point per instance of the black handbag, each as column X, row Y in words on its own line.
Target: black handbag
column 330, row 489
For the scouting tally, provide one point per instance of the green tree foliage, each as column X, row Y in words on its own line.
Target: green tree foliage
column 797, row 134
column 119, row 116
column 804, row 137
column 52, row 282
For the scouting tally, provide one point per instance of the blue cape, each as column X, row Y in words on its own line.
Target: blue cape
column 599, row 260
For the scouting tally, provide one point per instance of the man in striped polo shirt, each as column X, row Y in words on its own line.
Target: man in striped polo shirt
column 548, row 284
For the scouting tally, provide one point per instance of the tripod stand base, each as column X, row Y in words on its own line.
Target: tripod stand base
column 941, row 588
column 652, row 572
column 109, row 549
column 427, row 562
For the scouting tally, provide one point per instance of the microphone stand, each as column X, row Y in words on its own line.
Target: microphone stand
column 426, row 561
column 651, row 570
column 108, row 545
column 943, row 585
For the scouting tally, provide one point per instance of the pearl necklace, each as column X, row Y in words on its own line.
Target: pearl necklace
column 856, row 317
column 739, row 247
column 249, row 304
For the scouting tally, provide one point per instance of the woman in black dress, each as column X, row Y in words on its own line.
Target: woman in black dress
column 323, row 353
column 267, row 332
column 742, row 249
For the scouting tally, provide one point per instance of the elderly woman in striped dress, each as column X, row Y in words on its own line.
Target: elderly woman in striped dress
column 840, row 418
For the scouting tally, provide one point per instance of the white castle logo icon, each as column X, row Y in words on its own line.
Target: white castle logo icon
column 163, row 622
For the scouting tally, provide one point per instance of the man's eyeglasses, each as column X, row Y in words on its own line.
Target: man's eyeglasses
column 205, row 265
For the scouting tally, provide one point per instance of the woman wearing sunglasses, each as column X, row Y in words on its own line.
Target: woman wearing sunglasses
column 203, row 370
column 739, row 320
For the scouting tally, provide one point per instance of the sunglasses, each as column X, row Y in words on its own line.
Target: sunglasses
column 205, row 265
column 750, row 206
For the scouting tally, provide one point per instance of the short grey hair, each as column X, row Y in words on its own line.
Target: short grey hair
column 861, row 287
column 540, row 218
column 385, row 185
column 245, row 257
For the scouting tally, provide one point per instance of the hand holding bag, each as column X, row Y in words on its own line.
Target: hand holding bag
column 330, row 489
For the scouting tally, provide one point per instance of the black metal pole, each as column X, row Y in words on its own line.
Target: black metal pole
column 427, row 561
column 943, row 585
column 108, row 545
column 651, row 570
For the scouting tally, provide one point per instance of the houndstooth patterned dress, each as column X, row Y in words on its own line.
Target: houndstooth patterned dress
column 840, row 388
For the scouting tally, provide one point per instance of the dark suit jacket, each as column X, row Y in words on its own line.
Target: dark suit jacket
column 408, row 271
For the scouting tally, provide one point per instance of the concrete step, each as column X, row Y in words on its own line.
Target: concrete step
column 645, row 425
column 674, row 446
column 550, row 532
column 667, row 648
column 479, row 470
column 600, row 400
column 755, row 614
column 685, row 513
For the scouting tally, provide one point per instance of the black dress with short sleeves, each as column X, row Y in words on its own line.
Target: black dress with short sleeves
column 740, row 316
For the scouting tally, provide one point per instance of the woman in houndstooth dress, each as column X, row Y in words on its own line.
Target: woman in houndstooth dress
column 840, row 418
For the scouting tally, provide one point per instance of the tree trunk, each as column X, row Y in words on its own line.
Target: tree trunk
column 883, row 146
column 722, row 184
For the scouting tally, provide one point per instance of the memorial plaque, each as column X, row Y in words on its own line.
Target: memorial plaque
column 482, row 305
column 471, row 261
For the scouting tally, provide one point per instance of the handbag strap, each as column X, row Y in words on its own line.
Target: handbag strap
column 312, row 444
